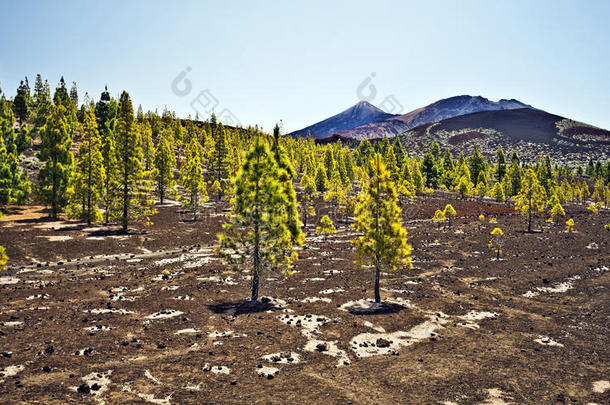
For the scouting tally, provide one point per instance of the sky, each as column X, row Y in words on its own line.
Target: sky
column 259, row 62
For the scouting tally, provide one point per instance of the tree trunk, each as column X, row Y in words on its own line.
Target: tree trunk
column 54, row 195
column 254, row 297
column 125, row 204
column 89, row 186
column 529, row 216
column 377, row 295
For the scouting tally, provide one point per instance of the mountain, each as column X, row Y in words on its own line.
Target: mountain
column 525, row 130
column 437, row 111
column 359, row 114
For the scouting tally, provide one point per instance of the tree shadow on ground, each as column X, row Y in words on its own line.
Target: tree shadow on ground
column 373, row 308
column 116, row 232
column 241, row 307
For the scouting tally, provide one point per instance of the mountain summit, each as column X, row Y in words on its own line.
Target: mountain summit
column 361, row 113
column 437, row 111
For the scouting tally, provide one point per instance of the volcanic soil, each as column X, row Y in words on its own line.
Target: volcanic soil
column 86, row 315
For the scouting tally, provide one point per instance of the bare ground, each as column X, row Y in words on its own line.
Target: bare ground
column 87, row 307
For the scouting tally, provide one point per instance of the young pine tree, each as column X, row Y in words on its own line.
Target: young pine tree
column 321, row 179
column 219, row 158
column 258, row 228
column 326, row 227
column 497, row 192
column 449, row 213
column 531, row 198
column 89, row 175
column 384, row 240
column 309, row 192
column 3, row 258
column 191, row 178
column 57, row 158
column 165, row 163
column 134, row 188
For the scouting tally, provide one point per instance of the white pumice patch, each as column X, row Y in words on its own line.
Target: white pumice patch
column 101, row 379
column 547, row 341
column 332, row 291
column 8, row 280
column 557, row 288
column 328, row 348
column 187, row 331
column 38, row 297
column 10, row 371
column 375, row 344
column 601, row 386
column 316, row 299
column 266, row 371
column 220, row 370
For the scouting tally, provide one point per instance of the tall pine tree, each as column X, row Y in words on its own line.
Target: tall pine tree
column 57, row 158
column 134, row 188
column 89, row 175
column 384, row 239
column 258, row 228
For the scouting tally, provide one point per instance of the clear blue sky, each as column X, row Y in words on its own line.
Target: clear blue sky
column 267, row 61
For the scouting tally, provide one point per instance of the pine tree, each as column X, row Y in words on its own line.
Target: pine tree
column 449, row 212
column 191, row 178
column 390, row 161
column 165, row 163
column 42, row 102
column 258, row 228
column 134, row 189
column 326, row 227
column 321, row 179
column 497, row 192
column 418, row 179
column 74, row 96
column 21, row 102
column 365, row 152
column 216, row 189
column 496, row 241
column 14, row 184
column 476, row 164
column 464, row 187
column 15, row 187
column 482, row 184
column 500, row 164
column 148, row 147
column 89, row 175
column 556, row 211
column 384, row 240
column 219, row 154
column 430, row 170
column 282, row 160
column 399, row 152
column 531, row 198
column 3, row 258
column 309, row 192
column 55, row 153
column 61, row 97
